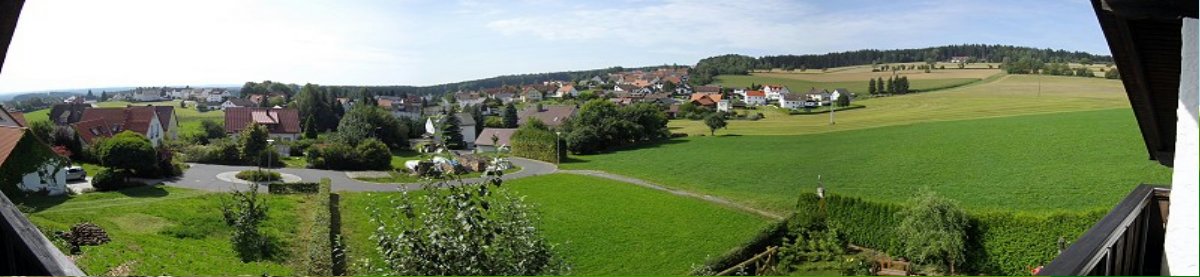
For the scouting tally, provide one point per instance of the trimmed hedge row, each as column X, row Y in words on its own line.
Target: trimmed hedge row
column 293, row 188
column 771, row 235
column 998, row 243
column 537, row 144
column 318, row 254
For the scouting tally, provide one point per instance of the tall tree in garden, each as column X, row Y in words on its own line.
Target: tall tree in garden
column 253, row 142
column 891, row 85
column 510, row 116
column 871, row 86
column 476, row 112
column 128, row 151
column 715, row 121
column 451, row 132
column 310, row 128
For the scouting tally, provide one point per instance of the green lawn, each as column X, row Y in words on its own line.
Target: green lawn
column 401, row 177
column 603, row 227
column 1075, row 161
column 1006, row 96
column 165, row 231
column 189, row 118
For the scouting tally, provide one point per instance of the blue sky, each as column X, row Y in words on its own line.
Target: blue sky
column 62, row 44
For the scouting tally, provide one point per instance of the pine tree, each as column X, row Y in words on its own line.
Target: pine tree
column 871, row 86
column 880, row 86
column 310, row 128
column 510, row 116
column 891, row 85
column 451, row 132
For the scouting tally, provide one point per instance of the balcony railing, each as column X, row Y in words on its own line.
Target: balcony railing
column 1127, row 241
column 25, row 251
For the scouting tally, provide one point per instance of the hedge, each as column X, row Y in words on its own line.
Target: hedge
column 537, row 144
column 771, row 235
column 319, row 248
column 998, row 243
column 293, row 188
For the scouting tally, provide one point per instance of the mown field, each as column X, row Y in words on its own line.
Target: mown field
column 166, row 231
column 602, row 227
column 189, row 118
column 800, row 85
column 1006, row 96
column 1071, row 161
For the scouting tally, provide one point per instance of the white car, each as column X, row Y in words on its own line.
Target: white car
column 76, row 173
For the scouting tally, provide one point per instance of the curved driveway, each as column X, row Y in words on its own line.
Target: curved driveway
column 204, row 177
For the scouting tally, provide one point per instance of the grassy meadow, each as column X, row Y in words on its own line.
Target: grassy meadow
column 602, row 227
column 166, row 231
column 1008, row 95
column 795, row 84
column 1071, row 161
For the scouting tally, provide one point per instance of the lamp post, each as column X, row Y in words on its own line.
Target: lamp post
column 270, row 149
column 557, row 151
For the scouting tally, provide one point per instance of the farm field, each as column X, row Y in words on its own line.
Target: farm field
column 865, row 74
column 1061, row 161
column 189, row 118
column 1006, row 96
column 860, row 86
column 602, row 227
column 161, row 230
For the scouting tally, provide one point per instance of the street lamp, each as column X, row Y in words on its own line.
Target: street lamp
column 557, row 152
column 270, row 149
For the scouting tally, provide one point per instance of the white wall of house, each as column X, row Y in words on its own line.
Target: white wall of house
column 1181, row 242
column 756, row 100
column 468, row 132
column 788, row 104
column 55, row 181
column 155, row 132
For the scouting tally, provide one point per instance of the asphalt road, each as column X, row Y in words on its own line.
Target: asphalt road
column 204, row 177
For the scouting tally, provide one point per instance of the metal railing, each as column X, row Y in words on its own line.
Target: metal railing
column 24, row 250
column 1127, row 241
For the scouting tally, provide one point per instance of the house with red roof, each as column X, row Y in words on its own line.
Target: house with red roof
column 19, row 148
column 756, row 98
column 705, row 99
column 156, row 123
column 15, row 119
column 775, row 92
column 282, row 124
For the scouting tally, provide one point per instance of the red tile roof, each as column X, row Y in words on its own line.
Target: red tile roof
column 758, row 93
column 502, row 136
column 20, row 118
column 9, row 137
column 285, row 121
column 164, row 116
column 115, row 120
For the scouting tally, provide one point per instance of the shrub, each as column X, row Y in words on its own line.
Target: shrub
column 293, row 188
column 373, row 154
column 109, row 179
column 535, row 141
column 335, row 156
column 464, row 229
column 259, row 175
column 245, row 211
column 321, row 246
column 128, row 151
column 933, row 230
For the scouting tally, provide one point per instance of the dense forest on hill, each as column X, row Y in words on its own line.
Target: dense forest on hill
column 739, row 64
column 493, row 82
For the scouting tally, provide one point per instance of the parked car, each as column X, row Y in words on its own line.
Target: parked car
column 76, row 173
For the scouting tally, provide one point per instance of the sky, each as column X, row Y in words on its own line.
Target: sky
column 66, row 44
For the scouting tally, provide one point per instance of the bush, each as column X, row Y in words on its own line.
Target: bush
column 998, row 243
column 245, row 211
column 222, row 151
column 321, row 246
column 933, row 230
column 112, row 179
column 373, row 154
column 535, row 141
column 293, row 188
column 259, row 176
column 335, row 156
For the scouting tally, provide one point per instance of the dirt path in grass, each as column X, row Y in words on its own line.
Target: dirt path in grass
column 648, row 184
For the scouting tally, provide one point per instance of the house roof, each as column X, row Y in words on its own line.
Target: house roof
column 793, row 97
column 9, row 137
column 1145, row 40
column 465, row 119
column 757, row 93
column 67, row 113
column 550, row 115
column 502, row 135
column 114, row 120
column 278, row 121
column 19, row 117
column 705, row 99
column 241, row 102
column 89, row 130
column 627, row 87
column 566, row 88
column 817, row 91
column 165, row 113
column 774, row 87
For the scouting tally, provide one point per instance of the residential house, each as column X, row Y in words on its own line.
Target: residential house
column 237, row 103
column 282, row 124
column 214, row 96
column 147, row 95
column 170, row 122
column 552, row 116
column 724, row 105
column 792, row 101
column 755, row 98
column 775, row 92
column 505, row 97
column 466, row 126
column 257, row 99
column 531, row 94
column 566, row 90
column 708, row 89
column 400, row 106
column 18, row 148
column 465, row 99
column 959, row 59
column 13, row 119
column 484, row 141
column 820, row 96
column 705, row 99
column 107, row 122
column 67, row 114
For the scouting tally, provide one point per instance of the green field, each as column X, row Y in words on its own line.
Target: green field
column 860, row 87
column 1006, row 96
column 603, row 227
column 189, row 118
column 1077, row 160
column 165, row 231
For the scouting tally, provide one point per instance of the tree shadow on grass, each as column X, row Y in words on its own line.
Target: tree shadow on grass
column 36, row 202
column 150, row 191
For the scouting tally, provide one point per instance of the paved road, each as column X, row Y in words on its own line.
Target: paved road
column 204, row 177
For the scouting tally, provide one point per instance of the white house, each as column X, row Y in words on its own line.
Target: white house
column 723, row 105
column 531, row 95
column 49, row 176
column 791, row 101
column 147, row 95
column 837, row 94
column 775, row 92
column 566, row 90
column 755, row 98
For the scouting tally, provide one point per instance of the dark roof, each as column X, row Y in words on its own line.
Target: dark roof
column 165, row 113
column 278, row 121
column 708, row 89
column 242, row 102
column 67, row 113
column 502, row 136
column 550, row 115
column 1144, row 37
